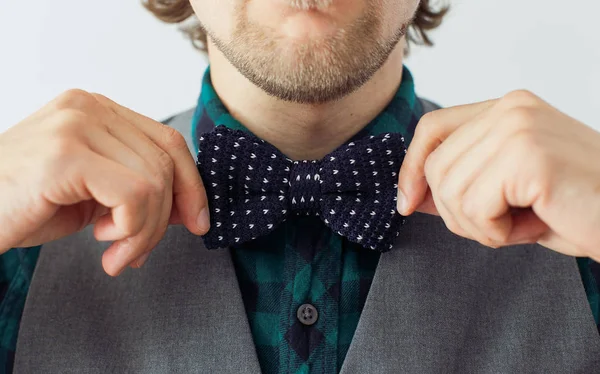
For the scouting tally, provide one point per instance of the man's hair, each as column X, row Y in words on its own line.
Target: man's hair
column 427, row 18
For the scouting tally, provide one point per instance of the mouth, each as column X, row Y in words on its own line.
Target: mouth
column 309, row 4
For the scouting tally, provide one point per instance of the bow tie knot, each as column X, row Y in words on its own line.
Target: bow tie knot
column 305, row 187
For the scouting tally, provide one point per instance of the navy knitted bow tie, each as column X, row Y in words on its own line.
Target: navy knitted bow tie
column 252, row 188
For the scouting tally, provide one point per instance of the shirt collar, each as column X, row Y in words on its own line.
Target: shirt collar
column 401, row 115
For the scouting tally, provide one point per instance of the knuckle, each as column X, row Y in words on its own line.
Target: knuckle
column 453, row 227
column 428, row 124
column 166, row 166
column 521, row 98
column 173, row 139
column 520, row 117
column 158, row 186
column 61, row 161
column 68, row 122
column 142, row 189
column 61, row 149
column 528, row 144
column 470, row 209
column 426, row 120
column 75, row 99
column 448, row 193
column 99, row 97
column 145, row 191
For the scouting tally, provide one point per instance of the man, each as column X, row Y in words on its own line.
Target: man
column 300, row 132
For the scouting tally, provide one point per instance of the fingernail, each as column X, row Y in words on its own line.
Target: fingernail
column 203, row 221
column 402, row 202
column 142, row 260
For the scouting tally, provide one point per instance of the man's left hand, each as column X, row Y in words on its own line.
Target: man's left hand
column 509, row 171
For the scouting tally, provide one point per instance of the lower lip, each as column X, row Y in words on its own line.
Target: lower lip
column 301, row 23
column 286, row 8
column 286, row 3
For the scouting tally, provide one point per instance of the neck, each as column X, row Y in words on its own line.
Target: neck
column 304, row 131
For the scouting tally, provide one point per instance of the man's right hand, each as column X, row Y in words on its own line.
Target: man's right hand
column 84, row 159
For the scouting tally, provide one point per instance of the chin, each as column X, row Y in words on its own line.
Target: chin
column 309, row 55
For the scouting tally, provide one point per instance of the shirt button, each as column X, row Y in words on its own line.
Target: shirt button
column 307, row 314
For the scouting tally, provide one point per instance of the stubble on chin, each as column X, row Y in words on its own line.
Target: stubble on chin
column 314, row 72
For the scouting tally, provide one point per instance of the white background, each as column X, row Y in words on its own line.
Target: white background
column 484, row 49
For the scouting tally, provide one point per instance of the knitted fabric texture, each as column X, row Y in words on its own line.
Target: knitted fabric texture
column 252, row 187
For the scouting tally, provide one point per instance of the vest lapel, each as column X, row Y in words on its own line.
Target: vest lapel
column 443, row 304
column 182, row 312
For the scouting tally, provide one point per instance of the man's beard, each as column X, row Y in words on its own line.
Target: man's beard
column 315, row 72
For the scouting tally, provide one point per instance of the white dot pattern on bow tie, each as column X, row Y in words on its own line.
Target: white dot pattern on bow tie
column 271, row 184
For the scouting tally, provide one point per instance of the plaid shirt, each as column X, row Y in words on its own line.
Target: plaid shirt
column 305, row 262
column 302, row 261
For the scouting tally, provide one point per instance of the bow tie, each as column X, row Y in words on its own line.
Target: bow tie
column 252, row 188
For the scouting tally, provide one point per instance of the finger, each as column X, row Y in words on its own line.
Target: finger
column 462, row 158
column 190, row 196
column 428, row 205
column 175, row 219
column 450, row 171
column 159, row 233
column 113, row 149
column 525, row 222
column 557, row 243
column 126, row 193
column 142, row 155
column 118, row 259
column 129, row 146
column 431, row 131
column 485, row 202
column 137, row 140
column 123, row 252
column 442, row 209
column 66, row 220
column 159, row 230
column 99, row 211
column 111, row 184
column 448, row 217
column 92, row 177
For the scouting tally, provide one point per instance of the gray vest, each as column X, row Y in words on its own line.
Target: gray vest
column 438, row 304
